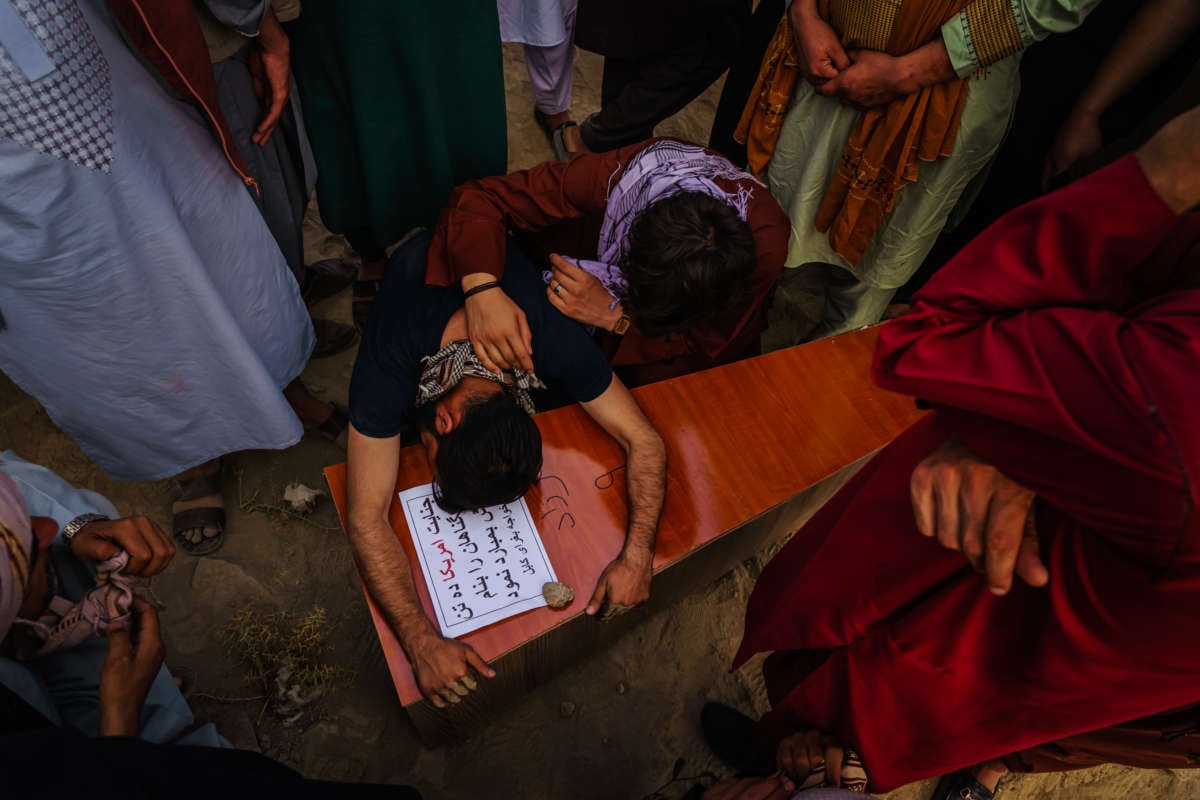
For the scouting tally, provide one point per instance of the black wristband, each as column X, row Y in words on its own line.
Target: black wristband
column 483, row 287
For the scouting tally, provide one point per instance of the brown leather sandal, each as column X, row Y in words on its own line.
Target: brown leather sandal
column 203, row 518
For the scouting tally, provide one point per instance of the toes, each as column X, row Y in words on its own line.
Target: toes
column 198, row 535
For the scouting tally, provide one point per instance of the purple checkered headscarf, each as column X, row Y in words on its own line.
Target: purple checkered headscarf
column 662, row 170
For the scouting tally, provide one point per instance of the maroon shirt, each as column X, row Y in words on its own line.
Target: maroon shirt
column 558, row 207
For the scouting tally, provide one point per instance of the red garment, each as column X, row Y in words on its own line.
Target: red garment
column 471, row 236
column 1039, row 348
column 167, row 33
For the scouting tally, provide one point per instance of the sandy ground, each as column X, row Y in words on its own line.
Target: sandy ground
column 611, row 728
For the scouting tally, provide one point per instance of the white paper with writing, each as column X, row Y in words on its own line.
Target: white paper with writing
column 480, row 566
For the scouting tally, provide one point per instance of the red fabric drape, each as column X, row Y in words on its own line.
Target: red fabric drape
column 1057, row 346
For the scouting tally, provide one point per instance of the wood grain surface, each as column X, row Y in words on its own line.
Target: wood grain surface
column 741, row 439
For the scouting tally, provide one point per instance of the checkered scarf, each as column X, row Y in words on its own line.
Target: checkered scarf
column 854, row 775
column 443, row 370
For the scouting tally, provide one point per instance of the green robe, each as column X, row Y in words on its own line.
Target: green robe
column 403, row 101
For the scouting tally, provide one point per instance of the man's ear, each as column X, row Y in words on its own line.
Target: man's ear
column 443, row 420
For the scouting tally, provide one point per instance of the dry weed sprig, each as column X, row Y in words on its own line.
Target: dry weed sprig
column 252, row 505
column 280, row 651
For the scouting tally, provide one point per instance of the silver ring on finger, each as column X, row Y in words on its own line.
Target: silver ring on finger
column 558, row 288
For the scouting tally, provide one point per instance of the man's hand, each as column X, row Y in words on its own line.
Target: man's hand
column 799, row 754
column 776, row 787
column 443, row 669
column 969, row 506
column 498, row 329
column 1079, row 137
column 580, row 295
column 149, row 549
column 625, row 582
column 818, row 47
column 872, row 79
column 270, row 68
column 128, row 671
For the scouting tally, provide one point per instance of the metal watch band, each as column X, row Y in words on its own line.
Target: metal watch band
column 71, row 528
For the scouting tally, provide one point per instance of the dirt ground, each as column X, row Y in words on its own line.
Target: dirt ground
column 611, row 728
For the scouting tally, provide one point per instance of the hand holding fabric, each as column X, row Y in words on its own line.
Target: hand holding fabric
column 818, row 47
column 800, row 755
column 872, row 79
column 129, row 670
column 149, row 549
column 443, row 669
column 581, row 296
column 970, row 506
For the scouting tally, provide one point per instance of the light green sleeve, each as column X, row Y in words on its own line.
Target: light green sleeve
column 988, row 30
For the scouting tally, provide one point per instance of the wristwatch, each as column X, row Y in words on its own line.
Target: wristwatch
column 74, row 526
column 622, row 325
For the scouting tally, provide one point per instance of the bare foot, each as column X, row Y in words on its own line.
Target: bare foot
column 315, row 414
column 554, row 120
column 573, row 141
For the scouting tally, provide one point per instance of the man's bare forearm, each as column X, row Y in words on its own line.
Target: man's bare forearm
column 385, row 570
column 647, row 485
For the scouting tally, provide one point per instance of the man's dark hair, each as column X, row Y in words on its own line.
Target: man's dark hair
column 688, row 257
column 492, row 456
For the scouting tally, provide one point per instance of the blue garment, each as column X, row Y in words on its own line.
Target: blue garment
column 145, row 303
column 408, row 319
column 64, row 686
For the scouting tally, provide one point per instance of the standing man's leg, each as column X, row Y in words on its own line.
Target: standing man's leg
column 850, row 303
column 640, row 93
column 551, row 73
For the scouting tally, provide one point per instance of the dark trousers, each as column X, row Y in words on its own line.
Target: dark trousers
column 743, row 72
column 638, row 93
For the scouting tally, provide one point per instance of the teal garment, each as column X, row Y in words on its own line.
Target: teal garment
column 403, row 101
column 64, row 686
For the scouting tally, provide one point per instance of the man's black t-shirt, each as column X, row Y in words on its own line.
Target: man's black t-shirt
column 406, row 324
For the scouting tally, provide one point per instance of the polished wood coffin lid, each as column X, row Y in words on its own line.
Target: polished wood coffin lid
column 740, row 439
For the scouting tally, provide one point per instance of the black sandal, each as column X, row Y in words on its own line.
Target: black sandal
column 200, row 518
column 961, row 785
column 324, row 279
column 555, row 135
column 332, row 338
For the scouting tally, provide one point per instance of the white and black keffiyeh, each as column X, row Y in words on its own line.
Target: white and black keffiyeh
column 443, row 370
